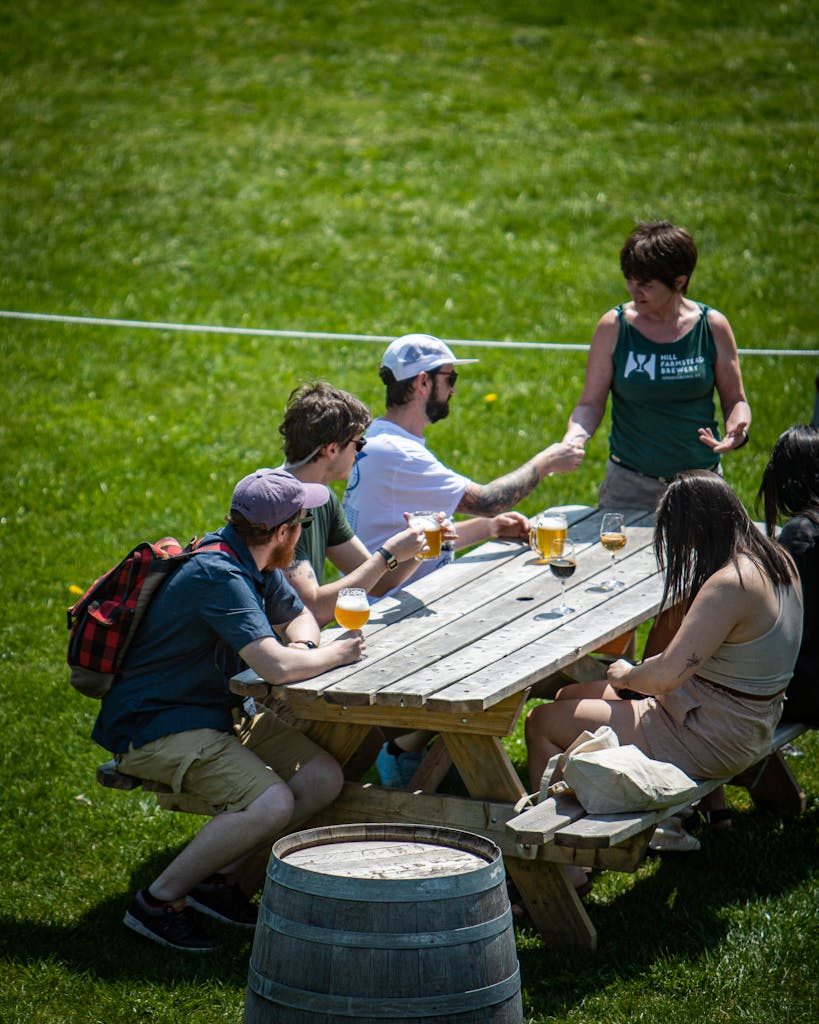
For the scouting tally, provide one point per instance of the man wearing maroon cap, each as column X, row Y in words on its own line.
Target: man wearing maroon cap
column 170, row 715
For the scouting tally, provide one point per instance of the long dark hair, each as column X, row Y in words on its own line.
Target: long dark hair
column 701, row 525
column 790, row 482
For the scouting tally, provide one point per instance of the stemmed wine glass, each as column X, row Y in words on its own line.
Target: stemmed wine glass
column 613, row 539
column 562, row 564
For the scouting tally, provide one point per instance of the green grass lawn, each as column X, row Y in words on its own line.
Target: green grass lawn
column 468, row 169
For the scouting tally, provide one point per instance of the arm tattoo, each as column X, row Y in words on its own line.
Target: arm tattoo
column 300, row 569
column 691, row 662
column 501, row 494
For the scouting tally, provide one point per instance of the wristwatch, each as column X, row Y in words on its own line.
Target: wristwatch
column 389, row 558
column 307, row 643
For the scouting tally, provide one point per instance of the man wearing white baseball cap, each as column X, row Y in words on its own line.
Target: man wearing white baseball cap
column 397, row 473
column 170, row 716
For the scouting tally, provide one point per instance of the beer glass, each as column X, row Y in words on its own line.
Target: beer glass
column 546, row 528
column 562, row 564
column 433, row 533
column 613, row 539
column 352, row 608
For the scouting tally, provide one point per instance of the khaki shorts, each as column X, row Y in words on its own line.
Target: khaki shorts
column 226, row 770
column 706, row 730
column 623, row 488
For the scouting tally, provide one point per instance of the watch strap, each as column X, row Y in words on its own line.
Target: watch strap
column 389, row 557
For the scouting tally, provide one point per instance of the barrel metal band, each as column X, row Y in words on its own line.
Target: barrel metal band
column 396, row 890
column 380, row 1007
column 384, row 940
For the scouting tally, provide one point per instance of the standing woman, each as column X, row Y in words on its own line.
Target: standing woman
column 661, row 356
column 790, row 487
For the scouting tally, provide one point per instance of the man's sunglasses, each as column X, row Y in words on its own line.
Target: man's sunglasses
column 451, row 375
column 302, row 521
column 359, row 443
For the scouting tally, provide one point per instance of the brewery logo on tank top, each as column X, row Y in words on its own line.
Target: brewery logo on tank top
column 671, row 367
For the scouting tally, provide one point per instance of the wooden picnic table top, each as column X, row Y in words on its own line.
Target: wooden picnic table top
column 483, row 629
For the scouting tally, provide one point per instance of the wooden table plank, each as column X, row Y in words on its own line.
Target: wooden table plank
column 499, row 720
column 495, row 632
column 432, row 602
column 491, row 606
column 527, row 666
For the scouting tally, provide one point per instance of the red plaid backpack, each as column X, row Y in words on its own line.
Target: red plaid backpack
column 104, row 620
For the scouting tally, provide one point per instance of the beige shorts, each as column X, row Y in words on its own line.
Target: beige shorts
column 705, row 730
column 226, row 770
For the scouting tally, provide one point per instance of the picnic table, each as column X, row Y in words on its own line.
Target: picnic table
column 458, row 653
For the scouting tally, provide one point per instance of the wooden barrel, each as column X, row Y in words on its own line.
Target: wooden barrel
column 379, row 922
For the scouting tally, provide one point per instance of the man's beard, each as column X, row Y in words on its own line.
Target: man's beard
column 437, row 409
column 283, row 555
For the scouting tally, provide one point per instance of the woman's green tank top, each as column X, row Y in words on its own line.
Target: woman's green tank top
column 661, row 395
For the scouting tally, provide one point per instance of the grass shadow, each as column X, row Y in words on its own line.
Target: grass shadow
column 98, row 943
column 679, row 906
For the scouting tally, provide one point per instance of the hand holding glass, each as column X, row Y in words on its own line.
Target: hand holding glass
column 613, row 539
column 352, row 608
column 546, row 528
column 562, row 564
column 430, row 523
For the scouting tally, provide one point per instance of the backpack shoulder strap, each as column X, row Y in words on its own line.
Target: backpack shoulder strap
column 197, row 546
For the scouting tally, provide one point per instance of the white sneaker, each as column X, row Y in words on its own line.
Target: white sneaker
column 670, row 837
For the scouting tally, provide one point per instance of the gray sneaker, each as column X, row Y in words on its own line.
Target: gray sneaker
column 170, row 925
column 224, row 901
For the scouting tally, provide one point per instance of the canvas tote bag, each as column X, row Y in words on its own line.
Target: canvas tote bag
column 607, row 778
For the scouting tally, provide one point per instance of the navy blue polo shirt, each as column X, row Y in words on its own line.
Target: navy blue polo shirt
column 176, row 672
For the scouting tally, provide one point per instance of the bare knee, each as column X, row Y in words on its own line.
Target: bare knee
column 320, row 779
column 535, row 725
column 272, row 810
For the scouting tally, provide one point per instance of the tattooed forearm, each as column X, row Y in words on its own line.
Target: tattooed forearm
column 501, row 494
column 691, row 662
column 300, row 570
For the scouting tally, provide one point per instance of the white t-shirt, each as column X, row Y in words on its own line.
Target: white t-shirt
column 394, row 474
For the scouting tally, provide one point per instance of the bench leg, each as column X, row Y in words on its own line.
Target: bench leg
column 773, row 786
column 432, row 771
column 545, row 889
column 552, row 904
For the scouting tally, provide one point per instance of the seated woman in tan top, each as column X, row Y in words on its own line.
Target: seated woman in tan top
column 714, row 694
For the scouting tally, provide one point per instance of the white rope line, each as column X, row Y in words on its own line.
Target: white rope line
column 263, row 332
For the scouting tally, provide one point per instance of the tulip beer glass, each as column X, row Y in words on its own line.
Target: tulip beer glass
column 352, row 608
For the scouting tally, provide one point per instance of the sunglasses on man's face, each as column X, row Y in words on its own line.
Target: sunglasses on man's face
column 359, row 443
column 450, row 375
column 303, row 520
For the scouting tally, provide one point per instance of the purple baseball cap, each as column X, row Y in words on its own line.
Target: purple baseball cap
column 269, row 497
column 407, row 356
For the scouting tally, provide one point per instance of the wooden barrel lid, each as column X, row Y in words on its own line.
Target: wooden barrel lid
column 385, row 859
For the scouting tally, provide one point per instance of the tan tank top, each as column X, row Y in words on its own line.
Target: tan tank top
column 762, row 666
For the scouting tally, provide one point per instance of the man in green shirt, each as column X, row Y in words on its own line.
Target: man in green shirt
column 323, row 430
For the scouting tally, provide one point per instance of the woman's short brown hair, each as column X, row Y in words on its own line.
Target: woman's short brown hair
column 659, row 252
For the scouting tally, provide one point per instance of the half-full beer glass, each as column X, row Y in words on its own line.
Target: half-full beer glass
column 430, row 523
